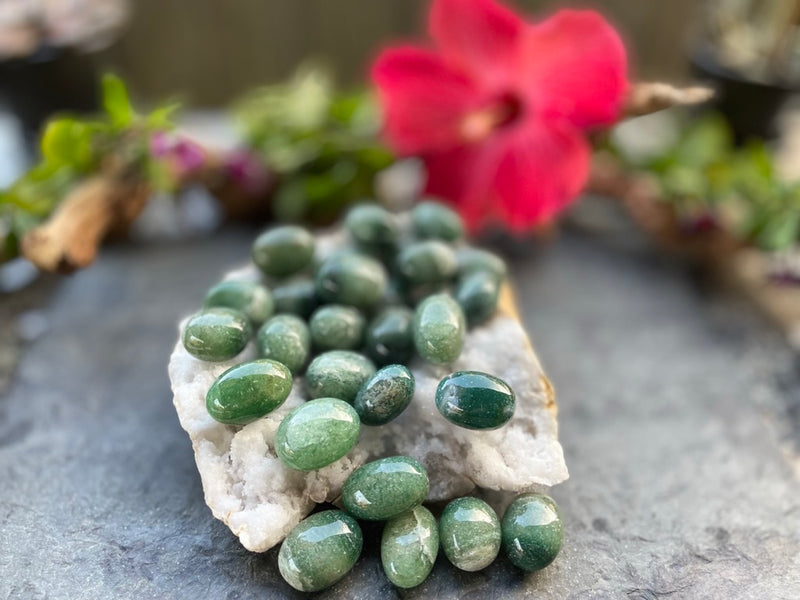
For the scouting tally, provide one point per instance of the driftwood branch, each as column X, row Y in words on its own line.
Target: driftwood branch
column 70, row 238
column 649, row 97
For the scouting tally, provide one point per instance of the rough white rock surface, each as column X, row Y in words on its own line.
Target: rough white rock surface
column 261, row 500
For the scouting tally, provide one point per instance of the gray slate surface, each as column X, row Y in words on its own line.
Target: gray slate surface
column 680, row 419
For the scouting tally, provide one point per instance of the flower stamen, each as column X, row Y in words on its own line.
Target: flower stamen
column 479, row 124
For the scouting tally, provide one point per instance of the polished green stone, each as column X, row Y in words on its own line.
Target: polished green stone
column 317, row 433
column 351, row 278
column 338, row 374
column 337, row 327
column 430, row 264
column 477, row 294
column 248, row 391
column 297, row 297
column 320, row 550
column 389, row 337
column 216, row 334
column 475, row 259
column 409, row 546
column 475, row 400
column 432, row 219
column 470, row 533
column 282, row 251
column 285, row 338
column 532, row 531
column 373, row 228
column 248, row 297
column 385, row 395
column 439, row 329
column 385, row 488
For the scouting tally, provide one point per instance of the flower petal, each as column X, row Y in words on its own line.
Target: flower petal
column 424, row 100
column 541, row 171
column 481, row 37
column 463, row 177
column 575, row 68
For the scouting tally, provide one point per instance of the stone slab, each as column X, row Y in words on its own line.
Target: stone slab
column 679, row 416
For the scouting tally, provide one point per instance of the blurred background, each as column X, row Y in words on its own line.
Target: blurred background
column 209, row 52
column 651, row 365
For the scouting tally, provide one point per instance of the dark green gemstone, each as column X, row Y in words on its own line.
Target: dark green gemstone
column 320, row 550
column 532, row 531
column 351, row 278
column 248, row 297
column 336, row 327
column 216, row 334
column 475, row 259
column 283, row 251
column 385, row 488
column 439, row 329
column 475, row 400
column 338, row 374
column 285, row 338
column 409, row 545
column 432, row 219
column 298, row 297
column 470, row 533
column 430, row 264
column 389, row 337
column 248, row 391
column 385, row 395
column 317, row 433
column 477, row 294
column 373, row 228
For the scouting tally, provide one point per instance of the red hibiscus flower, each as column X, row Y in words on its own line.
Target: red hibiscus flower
column 499, row 110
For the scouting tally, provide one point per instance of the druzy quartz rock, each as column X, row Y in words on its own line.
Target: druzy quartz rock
column 470, row 533
column 475, row 400
column 216, row 334
column 248, row 391
column 532, row 531
column 317, row 433
column 385, row 488
column 261, row 499
column 385, row 395
column 320, row 551
column 409, row 546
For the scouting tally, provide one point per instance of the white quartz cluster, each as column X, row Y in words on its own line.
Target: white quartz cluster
column 261, row 499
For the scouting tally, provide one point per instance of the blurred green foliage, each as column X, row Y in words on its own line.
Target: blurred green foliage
column 322, row 144
column 703, row 174
column 72, row 148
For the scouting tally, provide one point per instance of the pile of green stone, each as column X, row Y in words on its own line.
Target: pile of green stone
column 391, row 295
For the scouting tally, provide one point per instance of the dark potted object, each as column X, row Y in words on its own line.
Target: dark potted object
column 748, row 51
column 48, row 81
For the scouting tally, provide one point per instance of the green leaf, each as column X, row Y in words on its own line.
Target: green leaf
column 161, row 117
column 781, row 231
column 67, row 142
column 39, row 190
column 707, row 139
column 116, row 102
